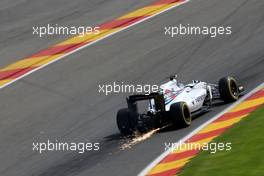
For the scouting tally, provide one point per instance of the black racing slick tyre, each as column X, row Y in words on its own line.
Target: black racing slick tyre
column 180, row 114
column 126, row 121
column 228, row 89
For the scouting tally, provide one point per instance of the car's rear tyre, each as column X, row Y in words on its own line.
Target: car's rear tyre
column 180, row 114
column 228, row 89
column 126, row 121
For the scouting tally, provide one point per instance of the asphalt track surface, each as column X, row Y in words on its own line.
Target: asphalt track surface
column 62, row 101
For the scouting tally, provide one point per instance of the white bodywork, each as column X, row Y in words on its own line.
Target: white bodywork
column 193, row 94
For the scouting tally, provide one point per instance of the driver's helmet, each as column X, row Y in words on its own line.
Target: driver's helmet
column 171, row 86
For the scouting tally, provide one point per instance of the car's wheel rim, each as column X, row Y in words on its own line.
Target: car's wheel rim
column 187, row 116
column 233, row 88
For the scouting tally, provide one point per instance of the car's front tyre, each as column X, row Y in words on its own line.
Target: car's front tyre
column 228, row 89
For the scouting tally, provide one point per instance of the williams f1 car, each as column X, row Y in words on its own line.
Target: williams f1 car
column 175, row 103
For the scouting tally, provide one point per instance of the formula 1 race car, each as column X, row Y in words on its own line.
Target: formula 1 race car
column 175, row 103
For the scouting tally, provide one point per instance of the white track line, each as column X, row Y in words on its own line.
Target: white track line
column 192, row 133
column 89, row 44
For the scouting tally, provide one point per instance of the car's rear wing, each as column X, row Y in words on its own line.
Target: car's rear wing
column 157, row 97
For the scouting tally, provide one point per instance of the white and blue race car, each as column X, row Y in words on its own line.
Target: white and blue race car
column 175, row 104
